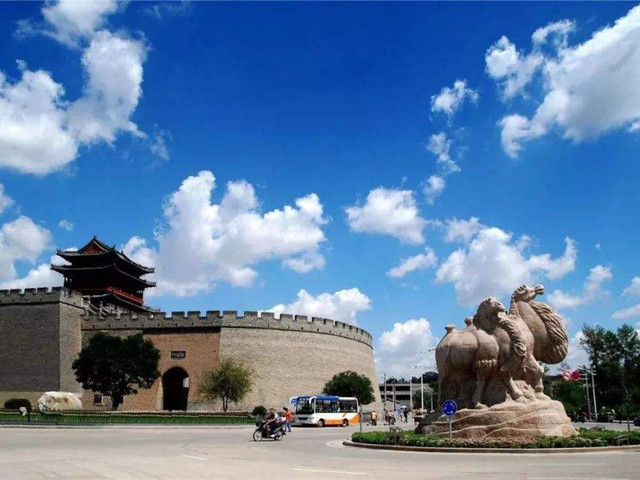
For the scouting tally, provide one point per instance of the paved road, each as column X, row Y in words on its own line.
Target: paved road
column 169, row 453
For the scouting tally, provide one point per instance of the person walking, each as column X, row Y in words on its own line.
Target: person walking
column 374, row 418
column 288, row 418
column 406, row 415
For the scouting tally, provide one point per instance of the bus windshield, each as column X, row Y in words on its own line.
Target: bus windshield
column 304, row 406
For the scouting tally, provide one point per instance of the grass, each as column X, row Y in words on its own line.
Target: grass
column 585, row 438
column 123, row 419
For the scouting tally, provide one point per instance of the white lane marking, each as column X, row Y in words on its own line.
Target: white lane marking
column 197, row 458
column 313, row 470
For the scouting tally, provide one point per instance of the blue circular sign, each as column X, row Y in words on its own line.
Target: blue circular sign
column 449, row 407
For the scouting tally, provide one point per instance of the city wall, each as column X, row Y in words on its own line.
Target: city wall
column 41, row 332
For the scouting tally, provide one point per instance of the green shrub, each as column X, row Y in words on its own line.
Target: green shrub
column 585, row 438
column 259, row 411
column 16, row 403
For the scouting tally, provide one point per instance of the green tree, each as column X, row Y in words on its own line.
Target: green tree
column 230, row 381
column 615, row 358
column 351, row 384
column 117, row 366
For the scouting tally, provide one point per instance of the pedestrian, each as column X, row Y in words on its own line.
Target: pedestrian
column 288, row 418
column 406, row 415
column 374, row 418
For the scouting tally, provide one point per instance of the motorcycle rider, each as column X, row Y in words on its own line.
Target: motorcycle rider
column 272, row 422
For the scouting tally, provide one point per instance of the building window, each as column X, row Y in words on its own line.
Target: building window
column 98, row 399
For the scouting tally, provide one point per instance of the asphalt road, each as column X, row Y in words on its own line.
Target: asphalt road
column 141, row 453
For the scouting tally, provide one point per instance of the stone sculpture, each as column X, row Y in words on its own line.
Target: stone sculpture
column 58, row 402
column 491, row 369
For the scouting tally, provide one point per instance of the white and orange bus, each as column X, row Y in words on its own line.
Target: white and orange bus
column 321, row 410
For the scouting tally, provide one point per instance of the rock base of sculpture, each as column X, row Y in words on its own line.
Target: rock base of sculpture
column 508, row 420
column 59, row 402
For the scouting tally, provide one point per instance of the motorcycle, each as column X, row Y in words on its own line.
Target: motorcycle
column 261, row 431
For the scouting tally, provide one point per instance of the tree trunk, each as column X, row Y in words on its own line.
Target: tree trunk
column 225, row 404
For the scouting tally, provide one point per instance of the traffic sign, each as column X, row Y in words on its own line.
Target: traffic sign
column 449, row 408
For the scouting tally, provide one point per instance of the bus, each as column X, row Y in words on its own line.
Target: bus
column 321, row 410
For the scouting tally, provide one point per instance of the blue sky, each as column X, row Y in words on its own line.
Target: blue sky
column 110, row 112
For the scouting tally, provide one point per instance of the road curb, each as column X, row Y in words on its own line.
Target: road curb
column 406, row 448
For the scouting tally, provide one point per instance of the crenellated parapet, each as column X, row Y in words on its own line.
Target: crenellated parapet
column 224, row 319
column 40, row 295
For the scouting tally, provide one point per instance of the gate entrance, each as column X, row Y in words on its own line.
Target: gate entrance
column 175, row 389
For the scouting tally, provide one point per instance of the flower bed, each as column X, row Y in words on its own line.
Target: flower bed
column 585, row 438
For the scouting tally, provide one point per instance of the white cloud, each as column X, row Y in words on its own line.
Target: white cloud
column 65, row 225
column 590, row 88
column 41, row 276
column 576, row 356
column 388, row 212
column 593, row 289
column 399, row 348
column 21, row 240
column 33, row 135
column 558, row 32
column 625, row 313
column 224, row 240
column 449, row 100
column 73, row 20
column 510, row 68
column 41, row 131
column 422, row 261
column 440, row 145
column 633, row 289
column 159, row 143
column 493, row 265
column 114, row 67
column 433, row 188
column 342, row 305
column 5, row 200
column 461, row 230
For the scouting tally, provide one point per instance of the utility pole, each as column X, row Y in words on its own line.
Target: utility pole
column 593, row 388
column 586, row 384
column 385, row 390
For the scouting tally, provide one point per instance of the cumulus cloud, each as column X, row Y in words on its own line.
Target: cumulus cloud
column 493, row 263
column 461, row 230
column 114, row 67
column 41, row 276
column 388, row 212
column 342, row 305
column 590, row 88
column 593, row 289
column 399, row 348
column 440, row 145
column 225, row 240
column 633, row 289
column 577, row 355
column 65, row 225
column 450, row 99
column 433, row 188
column 422, row 261
column 71, row 20
column 5, row 200
column 21, row 240
column 40, row 130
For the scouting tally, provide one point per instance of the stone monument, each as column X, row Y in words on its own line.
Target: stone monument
column 491, row 370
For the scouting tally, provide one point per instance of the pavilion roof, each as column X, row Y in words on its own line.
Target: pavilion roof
column 97, row 248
